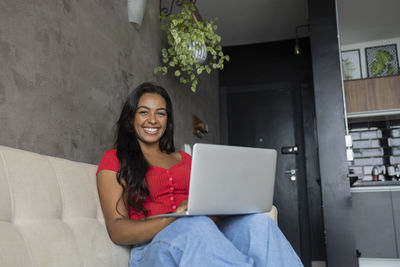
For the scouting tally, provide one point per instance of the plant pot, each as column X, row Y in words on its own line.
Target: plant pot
column 199, row 52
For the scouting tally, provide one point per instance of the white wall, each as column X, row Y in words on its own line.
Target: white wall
column 364, row 45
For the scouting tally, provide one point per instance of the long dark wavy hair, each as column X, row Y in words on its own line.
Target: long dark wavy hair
column 132, row 163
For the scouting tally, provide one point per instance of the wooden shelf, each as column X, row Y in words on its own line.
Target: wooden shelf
column 373, row 95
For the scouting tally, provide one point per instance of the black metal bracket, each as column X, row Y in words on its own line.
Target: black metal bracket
column 168, row 11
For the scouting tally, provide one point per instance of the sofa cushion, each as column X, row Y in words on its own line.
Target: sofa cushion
column 50, row 214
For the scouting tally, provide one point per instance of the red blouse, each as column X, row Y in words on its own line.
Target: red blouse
column 167, row 187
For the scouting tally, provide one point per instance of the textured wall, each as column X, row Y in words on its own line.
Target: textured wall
column 66, row 67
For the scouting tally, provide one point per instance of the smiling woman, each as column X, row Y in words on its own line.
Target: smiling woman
column 150, row 118
column 143, row 176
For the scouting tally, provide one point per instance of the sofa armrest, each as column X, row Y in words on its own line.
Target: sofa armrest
column 273, row 214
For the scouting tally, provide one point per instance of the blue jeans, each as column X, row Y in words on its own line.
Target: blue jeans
column 245, row 240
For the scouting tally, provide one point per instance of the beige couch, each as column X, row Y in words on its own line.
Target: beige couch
column 50, row 214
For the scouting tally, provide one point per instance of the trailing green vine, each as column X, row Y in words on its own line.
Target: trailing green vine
column 184, row 30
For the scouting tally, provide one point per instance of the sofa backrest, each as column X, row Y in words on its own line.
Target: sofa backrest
column 50, row 214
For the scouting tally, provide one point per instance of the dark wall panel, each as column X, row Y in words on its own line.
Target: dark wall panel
column 267, row 62
column 329, row 109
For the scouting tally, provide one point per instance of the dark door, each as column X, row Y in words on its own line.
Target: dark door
column 268, row 116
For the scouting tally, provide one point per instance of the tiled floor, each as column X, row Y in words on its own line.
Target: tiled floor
column 366, row 262
column 370, row 262
column 318, row 264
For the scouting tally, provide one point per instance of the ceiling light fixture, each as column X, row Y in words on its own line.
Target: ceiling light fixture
column 297, row 48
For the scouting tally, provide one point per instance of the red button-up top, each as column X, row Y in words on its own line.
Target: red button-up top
column 167, row 187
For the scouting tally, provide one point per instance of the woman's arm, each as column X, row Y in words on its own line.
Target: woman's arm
column 121, row 229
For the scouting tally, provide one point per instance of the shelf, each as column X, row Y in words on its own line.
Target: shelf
column 373, row 139
column 370, row 157
column 380, row 186
column 374, row 113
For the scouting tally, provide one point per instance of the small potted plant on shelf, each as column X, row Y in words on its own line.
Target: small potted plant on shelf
column 190, row 41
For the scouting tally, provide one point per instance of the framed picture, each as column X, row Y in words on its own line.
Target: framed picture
column 351, row 64
column 382, row 60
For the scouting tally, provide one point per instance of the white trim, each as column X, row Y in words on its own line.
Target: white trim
column 381, row 262
column 384, row 112
column 391, row 188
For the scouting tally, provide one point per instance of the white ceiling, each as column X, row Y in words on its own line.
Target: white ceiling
column 256, row 21
column 368, row 20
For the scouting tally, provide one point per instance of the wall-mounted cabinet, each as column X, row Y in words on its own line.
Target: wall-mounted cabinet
column 371, row 95
column 377, row 221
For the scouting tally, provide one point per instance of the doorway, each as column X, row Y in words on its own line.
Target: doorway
column 271, row 104
column 264, row 116
column 275, row 115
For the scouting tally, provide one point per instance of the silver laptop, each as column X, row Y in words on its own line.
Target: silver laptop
column 227, row 180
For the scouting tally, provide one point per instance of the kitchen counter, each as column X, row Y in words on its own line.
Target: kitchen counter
column 378, row 186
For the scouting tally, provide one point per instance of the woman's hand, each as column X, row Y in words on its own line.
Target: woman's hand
column 182, row 207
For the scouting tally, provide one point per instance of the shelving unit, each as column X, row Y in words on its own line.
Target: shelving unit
column 375, row 143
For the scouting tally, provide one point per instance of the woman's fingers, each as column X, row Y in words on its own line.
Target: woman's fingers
column 182, row 207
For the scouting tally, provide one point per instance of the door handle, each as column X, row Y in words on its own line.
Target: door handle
column 292, row 173
column 290, row 149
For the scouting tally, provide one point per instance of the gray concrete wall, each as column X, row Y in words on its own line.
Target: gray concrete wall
column 66, row 67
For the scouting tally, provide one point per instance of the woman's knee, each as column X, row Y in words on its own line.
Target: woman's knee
column 194, row 226
column 254, row 219
column 198, row 223
column 260, row 220
column 257, row 222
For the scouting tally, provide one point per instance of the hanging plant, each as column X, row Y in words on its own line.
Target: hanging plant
column 190, row 41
